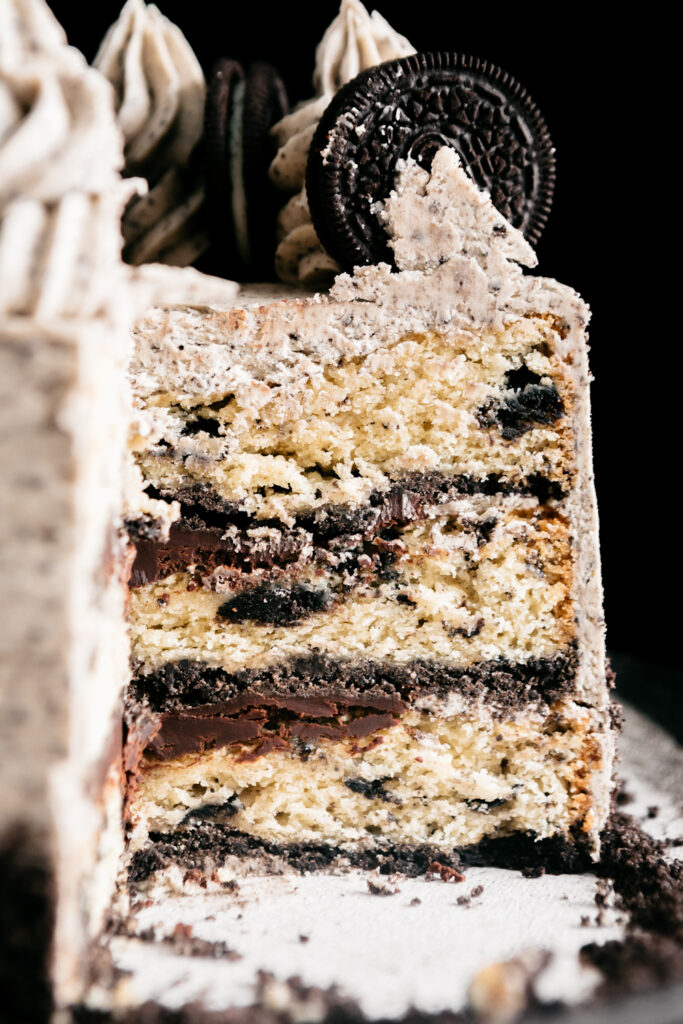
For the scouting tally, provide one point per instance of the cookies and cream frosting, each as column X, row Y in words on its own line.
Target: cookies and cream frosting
column 160, row 94
column 354, row 42
column 57, row 130
column 60, row 190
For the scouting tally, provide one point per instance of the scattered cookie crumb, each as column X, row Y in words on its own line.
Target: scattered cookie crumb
column 386, row 887
column 445, row 873
column 415, row 902
column 304, row 938
column 653, row 811
column 195, row 875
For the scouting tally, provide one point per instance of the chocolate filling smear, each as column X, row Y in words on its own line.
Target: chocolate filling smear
column 261, row 729
column 212, row 531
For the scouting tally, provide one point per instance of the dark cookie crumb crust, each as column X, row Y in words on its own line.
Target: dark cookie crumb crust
column 507, row 685
column 207, row 841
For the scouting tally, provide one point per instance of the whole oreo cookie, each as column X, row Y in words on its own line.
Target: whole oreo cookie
column 238, row 147
column 265, row 103
column 412, row 107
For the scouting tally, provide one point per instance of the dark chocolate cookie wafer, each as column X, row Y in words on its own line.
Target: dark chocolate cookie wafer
column 412, row 107
column 265, row 103
column 240, row 112
column 227, row 74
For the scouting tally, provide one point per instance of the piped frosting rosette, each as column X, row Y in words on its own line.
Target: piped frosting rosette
column 57, row 130
column 60, row 190
column 353, row 42
column 160, row 94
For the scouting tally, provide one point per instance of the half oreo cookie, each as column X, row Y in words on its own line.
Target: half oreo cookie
column 240, row 111
column 410, row 108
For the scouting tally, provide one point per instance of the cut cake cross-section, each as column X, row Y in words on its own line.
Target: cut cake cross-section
column 375, row 629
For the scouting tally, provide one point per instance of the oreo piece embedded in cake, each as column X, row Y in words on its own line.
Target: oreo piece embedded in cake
column 240, row 112
column 409, row 108
column 376, row 624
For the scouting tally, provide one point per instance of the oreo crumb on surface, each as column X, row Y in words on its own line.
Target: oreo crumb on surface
column 445, row 872
column 382, row 886
column 649, row 888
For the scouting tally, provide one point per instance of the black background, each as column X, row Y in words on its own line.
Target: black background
column 596, row 82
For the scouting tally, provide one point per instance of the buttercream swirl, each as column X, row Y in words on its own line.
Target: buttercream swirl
column 353, row 42
column 60, row 188
column 160, row 94
column 60, row 260
column 57, row 130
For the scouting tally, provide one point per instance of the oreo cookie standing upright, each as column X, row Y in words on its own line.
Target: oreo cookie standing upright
column 240, row 112
column 410, row 108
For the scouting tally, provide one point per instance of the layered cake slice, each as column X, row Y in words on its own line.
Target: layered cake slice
column 375, row 629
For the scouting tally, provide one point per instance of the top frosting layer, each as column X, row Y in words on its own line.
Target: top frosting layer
column 354, row 42
column 27, row 29
column 60, row 189
column 160, row 94
column 61, row 193
column 460, row 266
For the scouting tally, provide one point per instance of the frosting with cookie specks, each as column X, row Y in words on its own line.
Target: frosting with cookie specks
column 354, row 42
column 160, row 94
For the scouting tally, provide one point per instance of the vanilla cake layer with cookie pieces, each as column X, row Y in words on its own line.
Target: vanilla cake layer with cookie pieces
column 376, row 621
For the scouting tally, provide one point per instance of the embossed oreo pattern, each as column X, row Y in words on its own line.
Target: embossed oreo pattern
column 412, row 107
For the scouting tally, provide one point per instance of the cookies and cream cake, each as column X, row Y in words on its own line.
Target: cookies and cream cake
column 375, row 626
column 358, row 544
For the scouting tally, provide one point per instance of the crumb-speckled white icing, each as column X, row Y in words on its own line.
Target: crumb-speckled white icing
column 160, row 93
column 57, row 129
column 354, row 42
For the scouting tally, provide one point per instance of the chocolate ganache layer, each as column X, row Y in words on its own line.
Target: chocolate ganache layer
column 211, row 531
column 266, row 726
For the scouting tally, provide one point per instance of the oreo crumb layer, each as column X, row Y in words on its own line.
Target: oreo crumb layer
column 211, row 843
column 207, row 844
column 509, row 686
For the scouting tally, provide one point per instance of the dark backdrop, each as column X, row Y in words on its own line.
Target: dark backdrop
column 595, row 81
